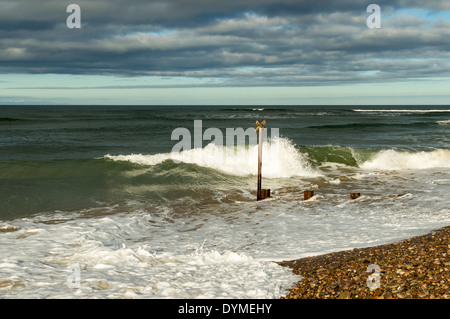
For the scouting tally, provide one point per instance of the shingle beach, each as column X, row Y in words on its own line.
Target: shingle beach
column 417, row 268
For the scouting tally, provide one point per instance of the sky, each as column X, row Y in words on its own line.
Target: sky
column 234, row 52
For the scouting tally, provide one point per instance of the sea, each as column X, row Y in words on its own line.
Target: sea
column 102, row 202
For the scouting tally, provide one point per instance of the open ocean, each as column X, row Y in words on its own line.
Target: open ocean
column 92, row 204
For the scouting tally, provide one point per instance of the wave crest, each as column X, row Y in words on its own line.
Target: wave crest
column 395, row 160
column 280, row 159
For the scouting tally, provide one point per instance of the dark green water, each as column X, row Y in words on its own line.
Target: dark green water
column 52, row 158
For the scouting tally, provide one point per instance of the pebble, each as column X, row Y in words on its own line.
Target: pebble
column 415, row 268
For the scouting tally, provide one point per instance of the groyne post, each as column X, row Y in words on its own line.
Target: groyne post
column 354, row 195
column 308, row 194
column 260, row 193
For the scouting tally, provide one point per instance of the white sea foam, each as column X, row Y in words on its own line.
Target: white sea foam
column 149, row 253
column 395, row 160
column 114, row 262
column 401, row 110
column 445, row 122
column 280, row 159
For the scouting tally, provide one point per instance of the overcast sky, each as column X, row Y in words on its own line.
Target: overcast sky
column 225, row 52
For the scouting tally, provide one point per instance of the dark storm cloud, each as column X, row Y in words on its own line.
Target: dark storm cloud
column 253, row 43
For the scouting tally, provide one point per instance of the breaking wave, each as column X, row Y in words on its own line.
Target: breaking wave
column 280, row 159
column 396, row 160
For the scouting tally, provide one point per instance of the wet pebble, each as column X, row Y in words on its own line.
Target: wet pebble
column 414, row 268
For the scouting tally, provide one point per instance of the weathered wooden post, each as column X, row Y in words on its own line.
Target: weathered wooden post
column 308, row 194
column 260, row 193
